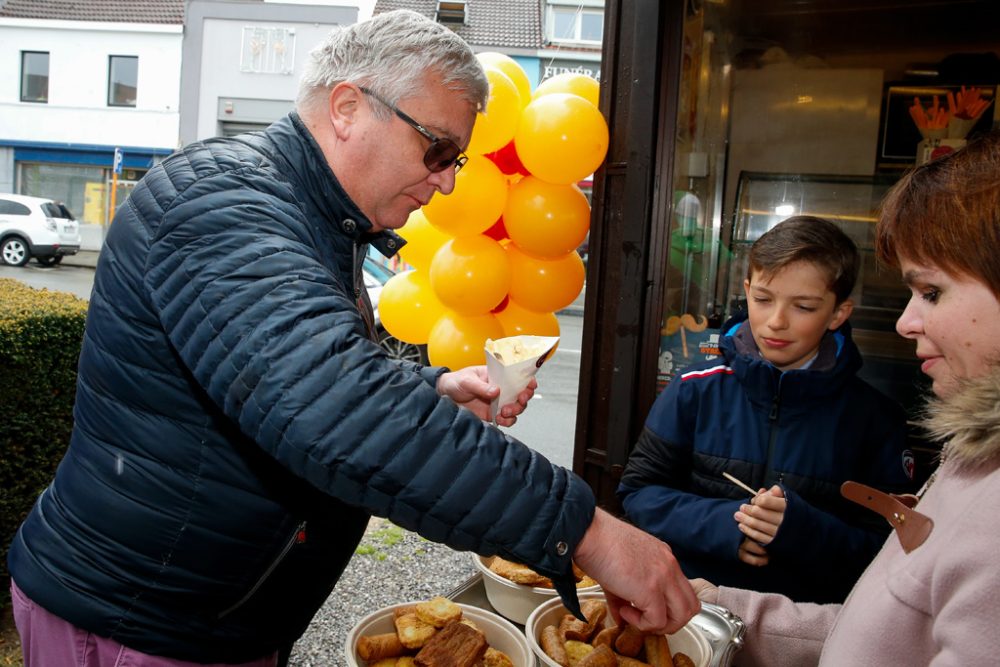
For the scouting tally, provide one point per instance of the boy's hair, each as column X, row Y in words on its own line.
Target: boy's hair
column 947, row 213
column 805, row 238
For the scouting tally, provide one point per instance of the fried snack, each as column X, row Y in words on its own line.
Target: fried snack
column 495, row 658
column 607, row 636
column 469, row 622
column 402, row 611
column 519, row 574
column 631, row 662
column 456, row 645
column 384, row 662
column 682, row 660
column 413, row 633
column 602, row 656
column 376, row 647
column 514, row 349
column 658, row 651
column 405, row 661
column 438, row 611
column 585, row 581
column 554, row 645
column 629, row 641
column 573, row 628
column 577, row 651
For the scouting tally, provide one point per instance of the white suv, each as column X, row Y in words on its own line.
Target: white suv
column 36, row 227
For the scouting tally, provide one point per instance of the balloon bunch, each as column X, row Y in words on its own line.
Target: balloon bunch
column 497, row 257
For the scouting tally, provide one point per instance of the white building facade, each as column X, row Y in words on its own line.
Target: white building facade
column 71, row 92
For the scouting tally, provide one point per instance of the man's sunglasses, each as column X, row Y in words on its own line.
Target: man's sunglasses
column 441, row 154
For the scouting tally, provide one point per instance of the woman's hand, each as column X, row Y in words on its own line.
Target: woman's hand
column 470, row 387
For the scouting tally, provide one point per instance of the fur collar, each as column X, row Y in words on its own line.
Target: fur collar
column 968, row 422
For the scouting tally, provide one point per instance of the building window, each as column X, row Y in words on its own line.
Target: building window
column 34, row 76
column 576, row 24
column 123, row 80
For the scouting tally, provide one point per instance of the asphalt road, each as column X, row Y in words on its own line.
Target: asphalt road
column 547, row 425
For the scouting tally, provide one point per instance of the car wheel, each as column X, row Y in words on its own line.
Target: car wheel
column 14, row 251
column 398, row 349
column 49, row 261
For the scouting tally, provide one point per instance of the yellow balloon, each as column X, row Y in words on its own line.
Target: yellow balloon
column 471, row 274
column 572, row 83
column 476, row 202
column 422, row 240
column 544, row 285
column 495, row 126
column 561, row 138
column 517, row 320
column 408, row 308
column 544, row 219
column 457, row 341
column 511, row 68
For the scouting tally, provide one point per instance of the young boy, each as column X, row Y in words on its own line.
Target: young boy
column 784, row 412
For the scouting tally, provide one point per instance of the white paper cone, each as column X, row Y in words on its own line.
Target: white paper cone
column 513, row 371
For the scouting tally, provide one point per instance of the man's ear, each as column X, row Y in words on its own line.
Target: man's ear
column 344, row 108
column 841, row 313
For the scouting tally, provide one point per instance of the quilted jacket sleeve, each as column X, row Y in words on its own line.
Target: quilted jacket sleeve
column 654, row 485
column 274, row 339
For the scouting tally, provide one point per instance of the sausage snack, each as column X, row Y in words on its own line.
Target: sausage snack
column 573, row 643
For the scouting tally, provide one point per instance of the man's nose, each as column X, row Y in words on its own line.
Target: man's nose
column 443, row 180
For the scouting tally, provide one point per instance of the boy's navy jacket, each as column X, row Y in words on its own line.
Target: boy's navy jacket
column 805, row 430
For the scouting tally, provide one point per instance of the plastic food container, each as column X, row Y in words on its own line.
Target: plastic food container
column 500, row 633
column 515, row 601
column 688, row 640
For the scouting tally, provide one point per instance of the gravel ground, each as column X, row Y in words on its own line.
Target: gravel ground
column 390, row 566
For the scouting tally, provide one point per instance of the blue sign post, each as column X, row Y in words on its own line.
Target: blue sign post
column 116, row 168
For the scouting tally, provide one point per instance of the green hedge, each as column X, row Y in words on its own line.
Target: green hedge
column 40, row 336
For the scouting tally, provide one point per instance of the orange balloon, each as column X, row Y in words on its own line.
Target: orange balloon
column 561, row 138
column 495, row 125
column 544, row 285
column 544, row 219
column 476, row 202
column 517, row 320
column 570, row 82
column 422, row 240
column 457, row 341
column 511, row 68
column 408, row 308
column 471, row 274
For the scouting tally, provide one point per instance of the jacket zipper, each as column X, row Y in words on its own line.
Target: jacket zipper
column 772, row 436
column 298, row 535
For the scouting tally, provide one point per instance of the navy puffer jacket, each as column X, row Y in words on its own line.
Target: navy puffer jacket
column 236, row 427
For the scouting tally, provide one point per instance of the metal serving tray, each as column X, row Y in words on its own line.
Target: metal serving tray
column 723, row 629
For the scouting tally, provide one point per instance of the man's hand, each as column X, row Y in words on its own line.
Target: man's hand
column 470, row 388
column 642, row 581
column 760, row 520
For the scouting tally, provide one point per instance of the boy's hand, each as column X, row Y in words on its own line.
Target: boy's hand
column 752, row 553
column 760, row 520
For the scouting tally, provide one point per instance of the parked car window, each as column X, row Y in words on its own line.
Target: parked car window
column 57, row 210
column 8, row 207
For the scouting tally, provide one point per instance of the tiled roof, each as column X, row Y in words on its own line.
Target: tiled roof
column 488, row 23
column 117, row 11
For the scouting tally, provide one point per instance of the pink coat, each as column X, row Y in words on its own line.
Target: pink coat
column 938, row 605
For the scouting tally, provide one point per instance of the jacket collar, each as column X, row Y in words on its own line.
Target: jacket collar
column 969, row 422
column 310, row 170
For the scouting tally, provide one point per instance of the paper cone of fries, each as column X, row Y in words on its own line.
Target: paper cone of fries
column 511, row 363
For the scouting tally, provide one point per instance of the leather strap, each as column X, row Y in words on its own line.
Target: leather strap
column 912, row 527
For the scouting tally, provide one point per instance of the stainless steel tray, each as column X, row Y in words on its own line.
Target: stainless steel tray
column 723, row 629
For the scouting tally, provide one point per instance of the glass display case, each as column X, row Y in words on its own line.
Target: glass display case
column 765, row 199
